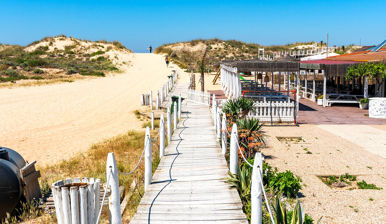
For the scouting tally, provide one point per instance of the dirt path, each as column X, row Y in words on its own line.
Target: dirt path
column 323, row 151
column 53, row 122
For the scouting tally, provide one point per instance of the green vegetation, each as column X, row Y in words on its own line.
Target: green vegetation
column 296, row 216
column 17, row 64
column 217, row 50
column 364, row 100
column 370, row 70
column 233, row 107
column 285, row 183
column 363, row 185
column 345, row 178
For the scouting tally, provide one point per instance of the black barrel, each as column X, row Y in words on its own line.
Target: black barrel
column 11, row 189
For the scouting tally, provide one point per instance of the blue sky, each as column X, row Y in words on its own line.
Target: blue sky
column 137, row 24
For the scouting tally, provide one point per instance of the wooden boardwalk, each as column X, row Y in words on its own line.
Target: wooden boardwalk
column 189, row 183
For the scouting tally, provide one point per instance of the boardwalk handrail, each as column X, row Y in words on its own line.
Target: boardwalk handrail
column 73, row 210
column 257, row 186
column 198, row 96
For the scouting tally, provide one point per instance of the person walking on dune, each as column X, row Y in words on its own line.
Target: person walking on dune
column 167, row 61
column 150, row 49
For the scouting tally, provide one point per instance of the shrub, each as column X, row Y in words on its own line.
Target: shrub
column 251, row 124
column 364, row 185
column 364, row 100
column 35, row 62
column 97, row 53
column 234, row 107
column 37, row 77
column 38, row 71
column 286, row 183
column 92, row 73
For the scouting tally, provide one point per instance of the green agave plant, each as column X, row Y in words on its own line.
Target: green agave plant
column 252, row 124
column 282, row 216
column 234, row 107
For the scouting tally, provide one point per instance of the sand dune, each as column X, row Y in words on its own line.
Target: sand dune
column 50, row 123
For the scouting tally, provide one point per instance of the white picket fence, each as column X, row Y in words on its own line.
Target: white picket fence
column 76, row 201
column 198, row 97
column 267, row 111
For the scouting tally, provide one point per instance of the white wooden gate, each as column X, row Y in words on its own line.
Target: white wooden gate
column 270, row 111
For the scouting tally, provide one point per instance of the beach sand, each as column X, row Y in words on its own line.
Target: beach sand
column 54, row 122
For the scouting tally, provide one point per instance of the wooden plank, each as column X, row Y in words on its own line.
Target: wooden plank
column 189, row 184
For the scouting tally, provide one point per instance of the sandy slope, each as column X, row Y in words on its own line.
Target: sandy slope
column 50, row 123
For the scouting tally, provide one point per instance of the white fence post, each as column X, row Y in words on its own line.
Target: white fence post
column 179, row 106
column 66, row 205
column 151, row 100
column 214, row 112
column 175, row 116
column 74, row 191
column 218, row 124
column 83, row 204
column 162, row 94
column 148, row 165
column 157, row 101
column 114, row 203
column 152, row 120
column 233, row 157
column 161, row 136
column 256, row 190
column 224, row 134
column 90, row 201
column 169, row 126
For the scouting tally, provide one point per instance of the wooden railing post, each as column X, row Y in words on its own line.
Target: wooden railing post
column 74, row 195
column 233, row 157
column 148, row 160
column 214, row 112
column 162, row 95
column 113, row 183
column 157, row 101
column 179, row 106
column 152, row 120
column 151, row 100
column 256, row 190
column 175, row 116
column 169, row 126
column 218, row 124
column 224, row 134
column 161, row 136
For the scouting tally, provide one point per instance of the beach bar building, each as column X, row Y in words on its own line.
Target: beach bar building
column 276, row 86
column 273, row 103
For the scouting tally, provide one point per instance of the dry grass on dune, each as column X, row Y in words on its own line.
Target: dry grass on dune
column 127, row 150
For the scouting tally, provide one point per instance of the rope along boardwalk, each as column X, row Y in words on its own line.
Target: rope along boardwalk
column 189, row 183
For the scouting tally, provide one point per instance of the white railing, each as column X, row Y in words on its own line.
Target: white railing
column 198, row 96
column 271, row 111
column 79, row 200
column 147, row 99
column 257, row 186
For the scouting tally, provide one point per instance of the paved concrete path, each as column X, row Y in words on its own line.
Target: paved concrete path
column 367, row 137
column 189, row 184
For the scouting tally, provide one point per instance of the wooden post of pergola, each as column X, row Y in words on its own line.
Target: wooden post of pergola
column 305, row 84
column 297, row 91
column 313, row 87
column 289, row 83
column 279, row 80
column 324, row 89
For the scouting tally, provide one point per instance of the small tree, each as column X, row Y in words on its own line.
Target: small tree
column 375, row 71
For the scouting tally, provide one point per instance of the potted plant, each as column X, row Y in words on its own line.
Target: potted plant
column 364, row 103
column 320, row 100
